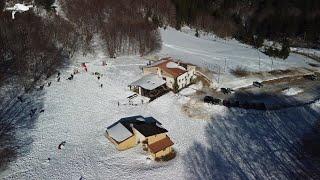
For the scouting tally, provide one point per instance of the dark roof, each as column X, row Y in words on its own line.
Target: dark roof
column 160, row 145
column 149, row 129
column 135, row 120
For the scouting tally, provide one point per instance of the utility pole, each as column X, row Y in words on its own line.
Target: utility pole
column 219, row 73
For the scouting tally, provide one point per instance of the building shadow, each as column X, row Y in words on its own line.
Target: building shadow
column 251, row 144
column 15, row 121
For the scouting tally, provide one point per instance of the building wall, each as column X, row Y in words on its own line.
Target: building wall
column 169, row 82
column 162, row 153
column 151, row 139
column 139, row 137
column 155, row 138
column 150, row 70
column 126, row 144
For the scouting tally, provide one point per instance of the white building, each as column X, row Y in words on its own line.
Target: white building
column 172, row 71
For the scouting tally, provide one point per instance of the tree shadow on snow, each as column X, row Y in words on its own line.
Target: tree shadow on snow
column 15, row 121
column 250, row 144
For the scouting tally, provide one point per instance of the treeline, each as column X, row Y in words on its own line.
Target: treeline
column 31, row 47
column 250, row 20
column 126, row 26
column 35, row 44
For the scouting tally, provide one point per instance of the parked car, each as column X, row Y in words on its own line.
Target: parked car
column 311, row 77
column 257, row 84
column 211, row 100
column 226, row 90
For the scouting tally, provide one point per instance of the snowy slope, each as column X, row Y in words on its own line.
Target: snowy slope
column 206, row 51
column 222, row 56
column 234, row 144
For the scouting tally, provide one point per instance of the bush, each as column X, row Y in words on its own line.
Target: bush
column 240, row 72
column 283, row 53
column 169, row 156
column 197, row 33
column 2, row 3
column 47, row 4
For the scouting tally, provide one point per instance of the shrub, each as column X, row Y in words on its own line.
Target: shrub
column 240, row 72
column 170, row 156
column 47, row 4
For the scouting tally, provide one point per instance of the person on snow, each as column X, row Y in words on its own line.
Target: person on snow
column 61, row 145
column 32, row 112
column 58, row 80
column 20, row 99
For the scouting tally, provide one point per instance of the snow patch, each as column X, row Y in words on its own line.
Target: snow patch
column 19, row 8
column 292, row 91
column 119, row 132
column 187, row 91
column 173, row 65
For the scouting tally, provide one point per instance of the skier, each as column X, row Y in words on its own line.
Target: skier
column 20, row 99
column 58, row 80
column 61, row 145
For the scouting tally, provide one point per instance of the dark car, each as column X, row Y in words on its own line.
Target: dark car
column 311, row 77
column 257, row 84
column 211, row 100
column 226, row 90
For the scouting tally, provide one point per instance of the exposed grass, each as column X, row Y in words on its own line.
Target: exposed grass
column 282, row 72
column 240, row 72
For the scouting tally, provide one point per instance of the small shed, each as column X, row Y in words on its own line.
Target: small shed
column 150, row 86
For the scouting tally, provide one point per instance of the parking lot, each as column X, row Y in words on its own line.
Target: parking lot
column 276, row 94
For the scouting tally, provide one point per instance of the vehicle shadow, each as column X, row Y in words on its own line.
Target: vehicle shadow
column 251, row 144
column 16, row 119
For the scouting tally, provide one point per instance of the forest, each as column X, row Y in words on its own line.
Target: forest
column 37, row 42
column 254, row 20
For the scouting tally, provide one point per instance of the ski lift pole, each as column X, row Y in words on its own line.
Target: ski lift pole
column 225, row 65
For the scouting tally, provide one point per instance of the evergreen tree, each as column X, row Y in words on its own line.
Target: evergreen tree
column 47, row 4
column 2, row 3
column 197, row 33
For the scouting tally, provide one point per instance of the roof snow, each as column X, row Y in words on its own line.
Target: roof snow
column 119, row 132
column 173, row 65
column 149, row 82
column 19, row 8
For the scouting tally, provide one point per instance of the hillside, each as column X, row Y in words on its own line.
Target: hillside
column 230, row 144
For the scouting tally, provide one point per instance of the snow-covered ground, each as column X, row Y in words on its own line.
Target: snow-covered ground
column 233, row 144
column 222, row 56
column 292, row 91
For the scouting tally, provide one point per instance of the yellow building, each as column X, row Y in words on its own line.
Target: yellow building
column 130, row 131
